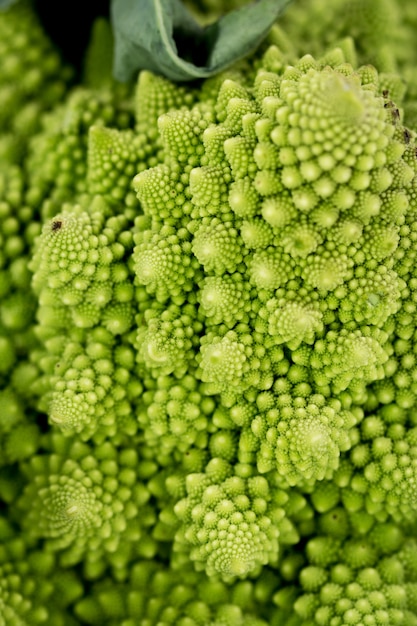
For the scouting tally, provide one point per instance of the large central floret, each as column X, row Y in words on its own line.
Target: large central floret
column 287, row 200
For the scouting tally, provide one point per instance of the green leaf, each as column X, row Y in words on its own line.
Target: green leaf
column 162, row 36
column 5, row 4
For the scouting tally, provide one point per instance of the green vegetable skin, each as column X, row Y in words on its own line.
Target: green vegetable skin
column 208, row 405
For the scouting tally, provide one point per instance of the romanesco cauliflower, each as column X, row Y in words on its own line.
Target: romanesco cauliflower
column 208, row 330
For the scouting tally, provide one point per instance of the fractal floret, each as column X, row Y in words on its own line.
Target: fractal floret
column 208, row 404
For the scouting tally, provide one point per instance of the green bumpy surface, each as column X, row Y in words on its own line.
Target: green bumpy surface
column 207, row 332
column 32, row 79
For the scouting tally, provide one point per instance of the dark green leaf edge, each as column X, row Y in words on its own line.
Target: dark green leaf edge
column 147, row 33
column 5, row 4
